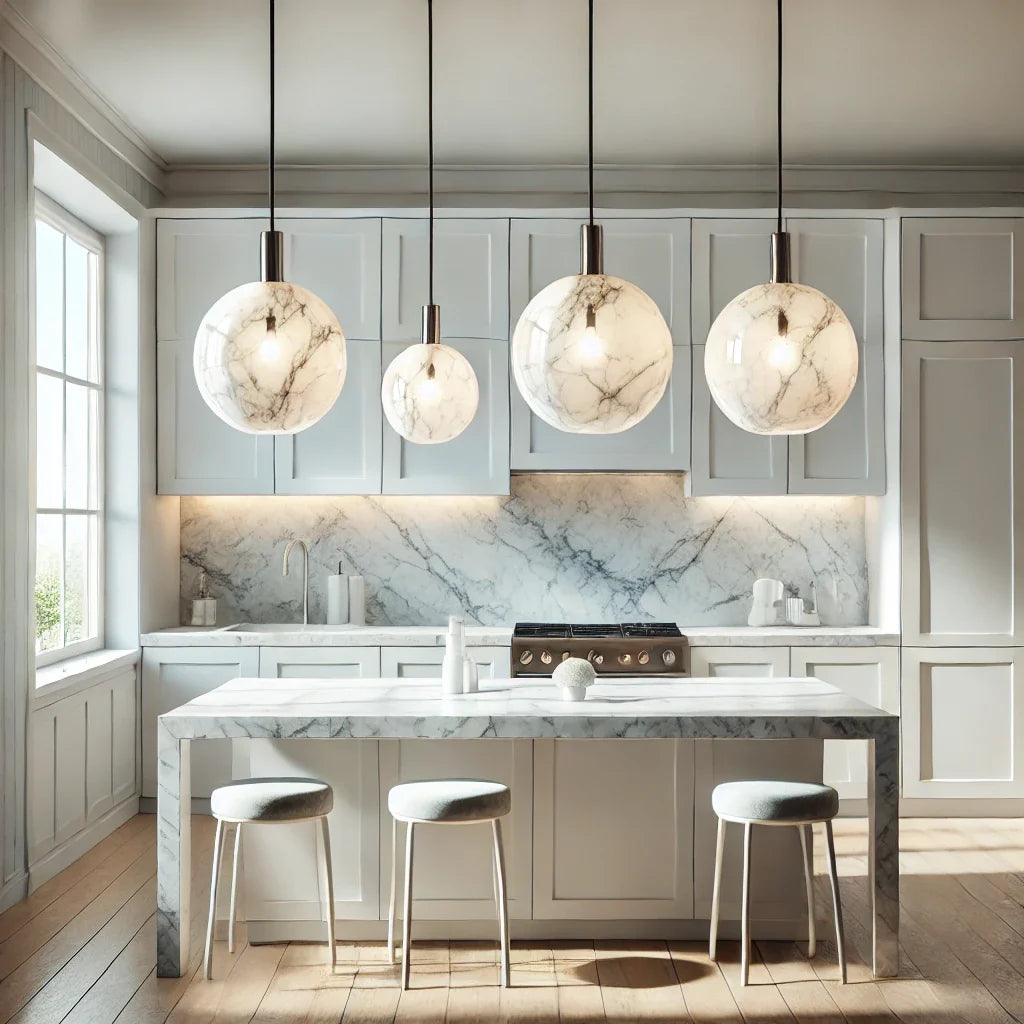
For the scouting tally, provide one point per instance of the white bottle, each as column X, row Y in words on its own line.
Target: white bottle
column 470, row 674
column 452, row 668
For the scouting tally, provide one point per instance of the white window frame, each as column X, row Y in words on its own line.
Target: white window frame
column 57, row 217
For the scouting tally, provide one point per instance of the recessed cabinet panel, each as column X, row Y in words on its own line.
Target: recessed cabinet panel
column 475, row 462
column 871, row 674
column 341, row 454
column 963, row 723
column 198, row 261
column 739, row 662
column 319, row 662
column 593, row 800
column 425, row 662
column 962, row 278
column 962, row 574
column 843, row 258
column 728, row 257
column 470, row 277
column 652, row 254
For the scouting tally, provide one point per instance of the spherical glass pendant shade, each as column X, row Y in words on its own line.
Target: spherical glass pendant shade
column 429, row 393
column 270, row 358
column 781, row 359
column 592, row 354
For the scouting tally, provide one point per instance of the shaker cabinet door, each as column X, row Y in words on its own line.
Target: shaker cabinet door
column 652, row 254
column 843, row 258
column 963, row 506
column 728, row 256
column 962, row 278
column 198, row 261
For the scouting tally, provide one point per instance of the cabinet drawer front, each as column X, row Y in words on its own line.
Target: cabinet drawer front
column 962, row 278
column 739, row 662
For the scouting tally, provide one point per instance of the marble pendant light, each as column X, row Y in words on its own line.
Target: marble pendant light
column 269, row 355
column 781, row 358
column 591, row 353
column 430, row 392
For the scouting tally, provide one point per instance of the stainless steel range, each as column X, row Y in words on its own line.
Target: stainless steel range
column 617, row 649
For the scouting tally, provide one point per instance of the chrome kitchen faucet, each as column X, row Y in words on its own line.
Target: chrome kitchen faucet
column 305, row 575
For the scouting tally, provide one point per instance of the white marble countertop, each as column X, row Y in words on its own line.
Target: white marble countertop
column 288, row 635
column 640, row 708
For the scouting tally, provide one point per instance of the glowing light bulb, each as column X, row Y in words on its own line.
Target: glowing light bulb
column 784, row 355
column 270, row 347
column 591, row 345
column 428, row 389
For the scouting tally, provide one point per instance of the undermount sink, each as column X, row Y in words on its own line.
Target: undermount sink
column 286, row 627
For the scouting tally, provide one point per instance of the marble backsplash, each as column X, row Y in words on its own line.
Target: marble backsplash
column 578, row 548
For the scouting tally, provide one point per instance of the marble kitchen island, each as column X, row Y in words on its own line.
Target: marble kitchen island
column 678, row 715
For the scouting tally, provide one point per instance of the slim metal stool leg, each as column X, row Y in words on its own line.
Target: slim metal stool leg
column 806, row 845
column 407, row 907
column 836, row 904
column 715, row 893
column 329, row 873
column 234, row 887
column 745, row 918
column 218, row 848
column 499, row 860
column 391, row 904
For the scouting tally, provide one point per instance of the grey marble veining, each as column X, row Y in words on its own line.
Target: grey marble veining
column 560, row 547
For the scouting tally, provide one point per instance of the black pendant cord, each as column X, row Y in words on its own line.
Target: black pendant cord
column 430, row 144
column 590, row 110
column 272, row 105
column 778, row 69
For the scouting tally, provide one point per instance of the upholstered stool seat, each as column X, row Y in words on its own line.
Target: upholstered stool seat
column 267, row 801
column 450, row 800
column 272, row 800
column 775, row 801
column 446, row 802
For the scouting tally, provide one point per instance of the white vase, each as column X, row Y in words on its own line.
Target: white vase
column 574, row 692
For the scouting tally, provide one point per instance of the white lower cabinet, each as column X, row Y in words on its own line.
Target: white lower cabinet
column 425, row 662
column 718, row 662
column 871, row 674
column 613, row 829
column 319, row 662
column 963, row 722
column 172, row 676
column 453, row 876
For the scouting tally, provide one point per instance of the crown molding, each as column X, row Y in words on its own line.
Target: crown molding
column 21, row 41
column 244, row 185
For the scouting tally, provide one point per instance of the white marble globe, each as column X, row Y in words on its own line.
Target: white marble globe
column 781, row 358
column 270, row 358
column 429, row 393
column 592, row 354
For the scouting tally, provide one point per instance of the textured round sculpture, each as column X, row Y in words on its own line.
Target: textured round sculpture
column 592, row 354
column 429, row 393
column 270, row 358
column 781, row 359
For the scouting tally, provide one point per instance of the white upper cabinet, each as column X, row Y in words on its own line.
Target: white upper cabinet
column 729, row 256
column 470, row 277
column 198, row 453
column 961, row 278
column 963, row 403
column 475, row 462
column 339, row 260
column 652, row 254
column 843, row 258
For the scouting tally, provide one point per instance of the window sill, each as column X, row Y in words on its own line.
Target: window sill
column 63, row 678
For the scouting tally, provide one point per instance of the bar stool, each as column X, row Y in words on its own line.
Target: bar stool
column 267, row 802
column 446, row 802
column 799, row 804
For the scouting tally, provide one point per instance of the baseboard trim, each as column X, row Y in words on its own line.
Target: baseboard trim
column 57, row 859
column 967, row 807
column 200, row 805
column 14, row 891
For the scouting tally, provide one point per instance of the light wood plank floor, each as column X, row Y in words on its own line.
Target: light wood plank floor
column 81, row 949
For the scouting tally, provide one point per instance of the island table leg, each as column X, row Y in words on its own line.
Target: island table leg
column 174, row 853
column 884, row 850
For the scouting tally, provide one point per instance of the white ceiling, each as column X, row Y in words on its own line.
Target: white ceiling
column 678, row 81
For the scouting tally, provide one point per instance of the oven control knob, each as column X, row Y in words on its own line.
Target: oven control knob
column 526, row 657
column 565, row 655
column 625, row 659
column 669, row 657
column 643, row 657
column 597, row 659
column 545, row 656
